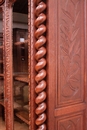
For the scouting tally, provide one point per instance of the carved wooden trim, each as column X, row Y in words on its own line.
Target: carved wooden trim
column 29, row 61
column 7, row 37
column 41, row 64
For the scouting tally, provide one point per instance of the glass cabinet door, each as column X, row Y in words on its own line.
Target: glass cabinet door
column 20, row 69
column 20, row 78
column 14, row 68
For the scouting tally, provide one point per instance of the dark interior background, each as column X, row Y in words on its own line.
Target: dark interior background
column 21, row 6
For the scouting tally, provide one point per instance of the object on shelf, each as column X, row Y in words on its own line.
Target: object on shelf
column 23, row 42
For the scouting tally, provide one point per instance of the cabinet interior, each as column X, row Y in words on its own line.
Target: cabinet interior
column 20, row 88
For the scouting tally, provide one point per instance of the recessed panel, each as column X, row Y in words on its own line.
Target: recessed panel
column 73, row 122
column 70, row 52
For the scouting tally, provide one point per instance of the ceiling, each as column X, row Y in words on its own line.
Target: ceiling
column 21, row 6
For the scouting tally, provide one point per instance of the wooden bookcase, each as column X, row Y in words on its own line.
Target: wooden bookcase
column 20, row 73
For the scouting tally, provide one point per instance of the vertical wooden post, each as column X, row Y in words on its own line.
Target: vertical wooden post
column 40, row 67
column 29, row 59
column 8, row 77
column 31, row 64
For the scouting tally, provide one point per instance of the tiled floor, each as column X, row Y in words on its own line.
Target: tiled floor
column 17, row 125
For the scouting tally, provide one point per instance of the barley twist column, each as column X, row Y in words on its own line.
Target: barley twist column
column 40, row 55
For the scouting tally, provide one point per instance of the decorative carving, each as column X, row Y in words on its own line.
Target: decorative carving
column 7, row 35
column 70, row 50
column 41, row 63
column 71, row 124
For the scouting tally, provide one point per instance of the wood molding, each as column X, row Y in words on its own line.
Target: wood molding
column 70, row 109
column 8, row 91
column 40, row 66
column 31, row 64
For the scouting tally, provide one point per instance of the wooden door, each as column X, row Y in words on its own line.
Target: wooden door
column 67, row 65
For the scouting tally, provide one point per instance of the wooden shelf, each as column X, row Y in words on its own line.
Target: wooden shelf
column 1, row 47
column 26, row 107
column 19, row 43
column 2, row 102
column 19, row 73
column 22, row 78
column 23, row 115
column 1, row 75
column 16, row 105
column 1, row 61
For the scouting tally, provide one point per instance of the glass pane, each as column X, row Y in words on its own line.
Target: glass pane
column 2, row 114
column 20, row 67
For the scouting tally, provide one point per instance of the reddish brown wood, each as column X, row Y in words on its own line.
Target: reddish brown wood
column 86, row 59
column 23, row 115
column 12, row 1
column 41, row 64
column 1, row 2
column 31, row 64
column 22, row 78
column 8, row 90
column 66, row 65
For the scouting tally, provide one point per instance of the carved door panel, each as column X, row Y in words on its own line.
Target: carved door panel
column 67, row 65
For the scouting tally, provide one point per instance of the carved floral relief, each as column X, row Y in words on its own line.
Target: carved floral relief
column 70, row 40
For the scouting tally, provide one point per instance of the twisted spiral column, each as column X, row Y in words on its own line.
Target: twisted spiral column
column 41, row 63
